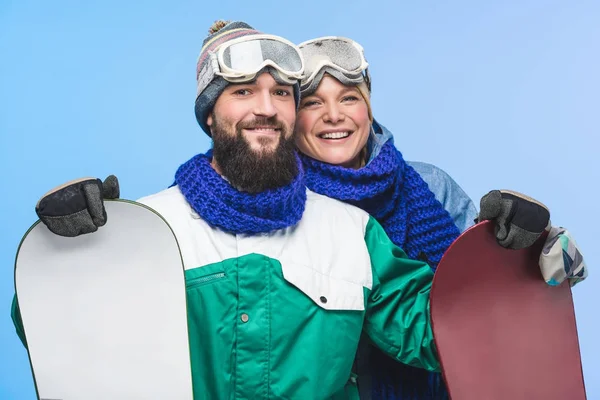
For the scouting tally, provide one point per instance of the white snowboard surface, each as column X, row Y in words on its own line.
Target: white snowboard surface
column 105, row 313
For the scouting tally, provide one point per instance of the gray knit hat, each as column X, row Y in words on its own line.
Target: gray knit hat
column 220, row 33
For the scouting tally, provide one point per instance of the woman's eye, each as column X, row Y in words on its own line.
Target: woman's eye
column 350, row 98
column 309, row 103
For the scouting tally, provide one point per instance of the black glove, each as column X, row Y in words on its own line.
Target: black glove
column 77, row 207
column 520, row 220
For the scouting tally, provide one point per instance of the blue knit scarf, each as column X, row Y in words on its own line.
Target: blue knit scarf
column 223, row 206
column 396, row 195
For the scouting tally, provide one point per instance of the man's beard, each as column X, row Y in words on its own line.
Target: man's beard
column 254, row 171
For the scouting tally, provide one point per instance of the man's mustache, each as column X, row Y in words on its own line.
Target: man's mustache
column 270, row 122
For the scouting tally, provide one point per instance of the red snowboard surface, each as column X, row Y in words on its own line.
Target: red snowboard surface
column 500, row 330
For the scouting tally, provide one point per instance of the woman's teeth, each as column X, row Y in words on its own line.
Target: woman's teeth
column 335, row 135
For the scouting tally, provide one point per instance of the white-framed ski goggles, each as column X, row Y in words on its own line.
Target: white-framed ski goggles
column 241, row 59
column 341, row 57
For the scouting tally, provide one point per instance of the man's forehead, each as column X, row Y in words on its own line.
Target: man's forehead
column 263, row 79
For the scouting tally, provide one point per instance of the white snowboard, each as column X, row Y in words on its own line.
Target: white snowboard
column 105, row 313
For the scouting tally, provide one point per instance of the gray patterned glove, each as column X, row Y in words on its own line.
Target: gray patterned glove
column 561, row 259
column 520, row 220
column 77, row 207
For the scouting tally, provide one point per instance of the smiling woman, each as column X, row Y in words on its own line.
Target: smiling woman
column 347, row 155
column 335, row 123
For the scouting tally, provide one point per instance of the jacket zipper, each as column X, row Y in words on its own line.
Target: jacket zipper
column 204, row 279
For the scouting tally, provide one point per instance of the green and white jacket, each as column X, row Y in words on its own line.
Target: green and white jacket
column 279, row 315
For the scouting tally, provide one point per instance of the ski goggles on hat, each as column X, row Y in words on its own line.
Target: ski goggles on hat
column 341, row 57
column 242, row 59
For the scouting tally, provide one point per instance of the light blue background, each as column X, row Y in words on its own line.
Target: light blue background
column 499, row 94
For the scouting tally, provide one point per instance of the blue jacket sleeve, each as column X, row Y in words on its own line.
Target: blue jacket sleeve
column 454, row 199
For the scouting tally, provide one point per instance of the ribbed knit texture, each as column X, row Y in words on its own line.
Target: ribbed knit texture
column 396, row 195
column 223, row 206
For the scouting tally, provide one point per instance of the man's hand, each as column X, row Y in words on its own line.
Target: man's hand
column 520, row 220
column 77, row 207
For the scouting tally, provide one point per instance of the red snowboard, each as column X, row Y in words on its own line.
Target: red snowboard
column 500, row 330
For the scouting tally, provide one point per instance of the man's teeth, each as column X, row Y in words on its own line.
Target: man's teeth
column 264, row 129
column 335, row 135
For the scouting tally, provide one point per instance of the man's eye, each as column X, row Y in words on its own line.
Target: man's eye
column 282, row 92
column 242, row 92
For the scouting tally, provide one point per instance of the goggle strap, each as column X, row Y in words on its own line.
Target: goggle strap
column 367, row 77
column 207, row 74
